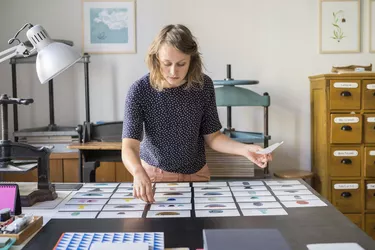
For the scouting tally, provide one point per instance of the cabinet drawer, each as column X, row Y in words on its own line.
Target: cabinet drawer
column 346, row 196
column 345, row 94
column 369, row 127
column 370, row 225
column 370, row 195
column 346, row 128
column 368, row 94
column 345, row 161
column 370, row 161
column 355, row 218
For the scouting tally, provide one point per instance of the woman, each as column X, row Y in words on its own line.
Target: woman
column 172, row 110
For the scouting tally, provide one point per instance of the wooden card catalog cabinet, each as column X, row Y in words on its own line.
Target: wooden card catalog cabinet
column 343, row 143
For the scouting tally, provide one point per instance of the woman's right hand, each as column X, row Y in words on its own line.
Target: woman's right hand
column 142, row 187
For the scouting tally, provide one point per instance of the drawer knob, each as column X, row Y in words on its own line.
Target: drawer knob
column 346, row 161
column 346, row 128
column 346, row 194
column 346, row 93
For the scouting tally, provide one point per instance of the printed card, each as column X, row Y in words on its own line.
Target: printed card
column 210, row 189
column 288, row 187
column 212, row 206
column 210, row 184
column 75, row 215
column 122, row 195
column 87, row 201
column 254, row 198
column 124, row 190
column 100, row 185
column 93, row 195
column 282, row 182
column 172, row 189
column 171, row 207
column 304, row 203
column 291, row 192
column 172, row 200
column 263, row 212
column 81, row 208
column 246, row 183
column 96, row 190
column 172, row 184
column 213, row 194
column 124, row 207
column 260, row 205
column 126, row 184
column 125, row 201
column 121, row 214
column 251, row 193
column 214, row 200
column 246, row 188
column 297, row 197
column 173, row 194
column 217, row 213
column 168, row 214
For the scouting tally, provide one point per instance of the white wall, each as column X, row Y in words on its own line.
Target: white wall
column 273, row 41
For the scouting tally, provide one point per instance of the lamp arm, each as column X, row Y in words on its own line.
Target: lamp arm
column 19, row 49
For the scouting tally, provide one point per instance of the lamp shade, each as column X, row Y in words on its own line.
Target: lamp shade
column 53, row 57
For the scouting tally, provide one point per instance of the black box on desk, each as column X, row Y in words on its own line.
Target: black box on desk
column 244, row 239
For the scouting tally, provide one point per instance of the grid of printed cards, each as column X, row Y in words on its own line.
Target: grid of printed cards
column 103, row 200
column 83, row 241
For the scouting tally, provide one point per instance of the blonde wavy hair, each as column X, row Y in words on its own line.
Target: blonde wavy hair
column 180, row 37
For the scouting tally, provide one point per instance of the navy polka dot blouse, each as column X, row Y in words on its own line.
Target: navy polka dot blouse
column 171, row 123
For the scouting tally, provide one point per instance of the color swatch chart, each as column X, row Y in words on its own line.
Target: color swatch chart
column 196, row 199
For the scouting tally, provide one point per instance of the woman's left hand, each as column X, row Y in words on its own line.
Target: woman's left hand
column 259, row 159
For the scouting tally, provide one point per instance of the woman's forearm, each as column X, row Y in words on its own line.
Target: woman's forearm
column 130, row 156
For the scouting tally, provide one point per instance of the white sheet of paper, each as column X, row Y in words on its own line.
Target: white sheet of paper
column 247, row 188
column 126, row 201
column 304, row 203
column 173, row 189
column 100, row 185
column 87, row 201
column 263, row 212
column 173, row 194
column 291, row 192
column 212, row 206
column 213, row 194
column 172, row 200
column 269, row 149
column 210, row 184
column 122, row 195
column 259, row 205
column 246, row 183
column 120, row 214
column 251, row 193
column 217, row 213
column 124, row 190
column 255, row 198
column 96, row 190
column 297, row 197
column 75, row 215
column 173, row 207
column 81, row 207
column 335, row 246
column 211, row 189
column 168, row 214
column 214, row 200
column 126, row 184
column 119, row 246
column 288, row 187
column 282, row 182
column 172, row 184
column 124, row 207
column 93, row 195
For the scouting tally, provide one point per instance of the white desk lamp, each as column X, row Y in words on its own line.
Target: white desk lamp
column 52, row 58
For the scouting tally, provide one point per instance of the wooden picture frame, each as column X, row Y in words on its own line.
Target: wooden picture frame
column 372, row 25
column 109, row 26
column 339, row 26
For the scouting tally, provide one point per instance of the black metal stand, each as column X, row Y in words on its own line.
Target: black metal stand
column 31, row 157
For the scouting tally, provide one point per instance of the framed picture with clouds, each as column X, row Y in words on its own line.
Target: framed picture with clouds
column 109, row 26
